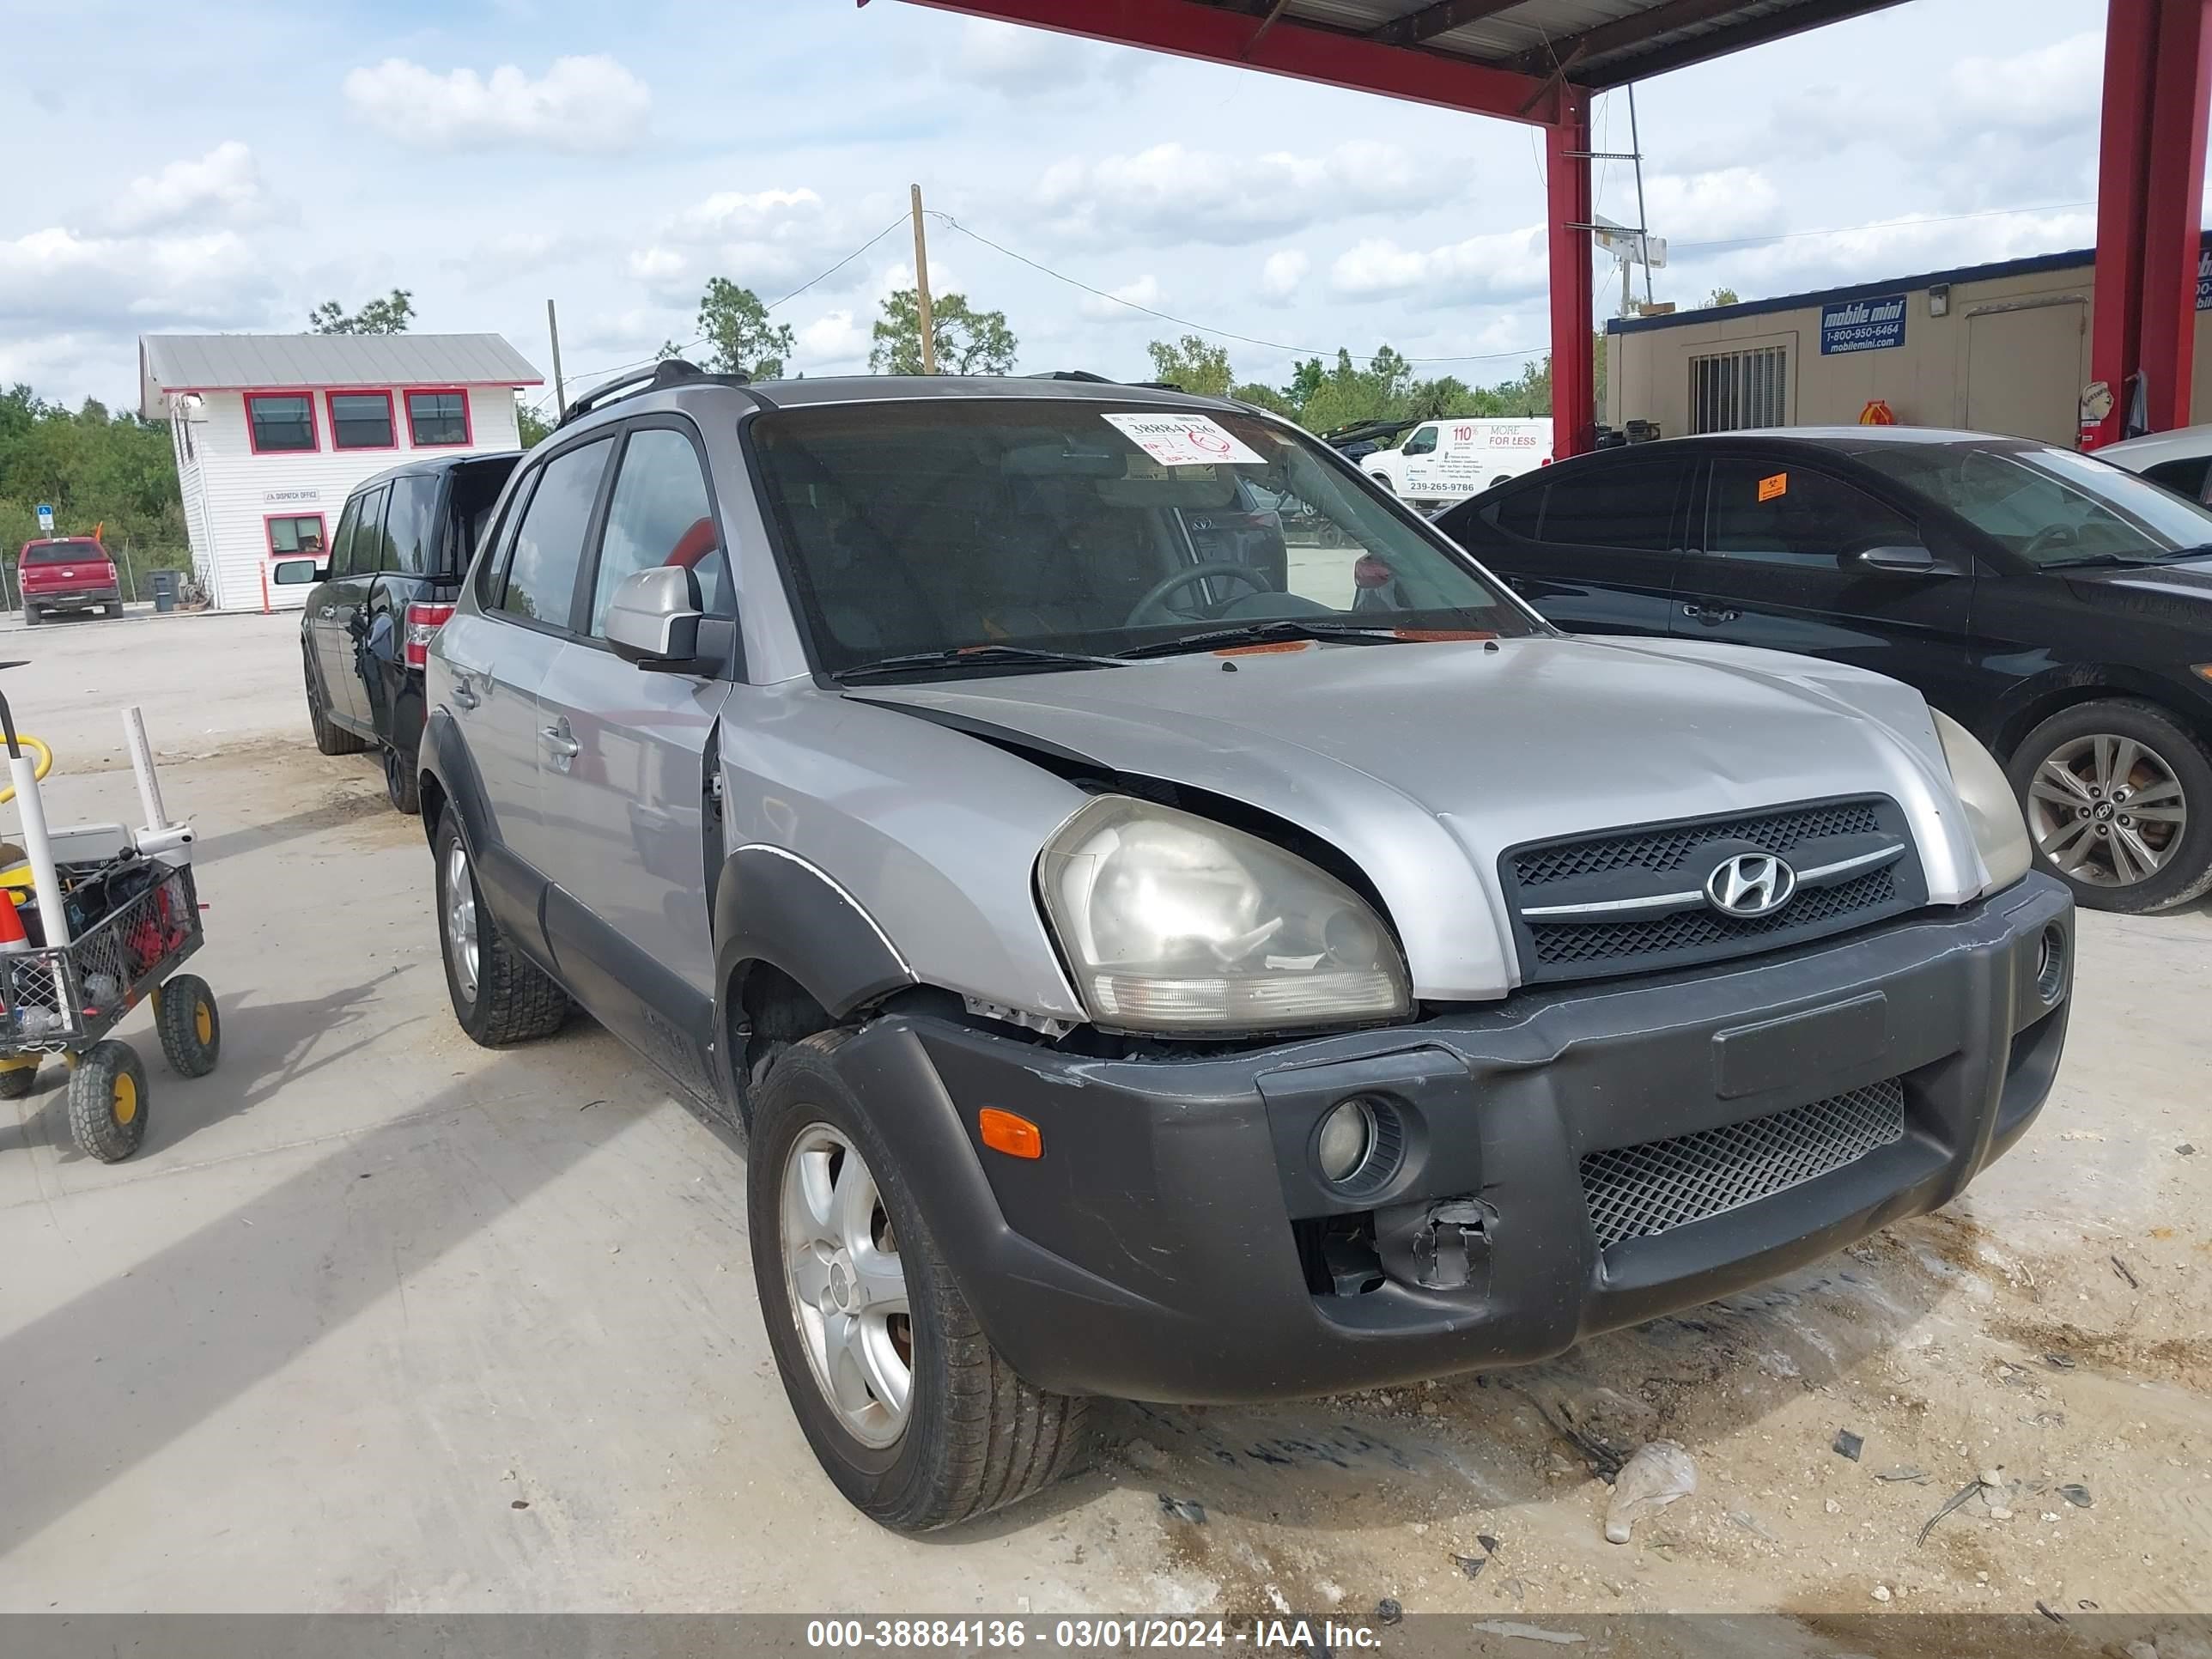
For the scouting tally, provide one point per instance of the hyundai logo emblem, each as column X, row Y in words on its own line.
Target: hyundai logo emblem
column 1750, row 885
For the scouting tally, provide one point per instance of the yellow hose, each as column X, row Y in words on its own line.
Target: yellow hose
column 44, row 765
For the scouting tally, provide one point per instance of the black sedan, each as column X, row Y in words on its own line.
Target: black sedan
column 2058, row 607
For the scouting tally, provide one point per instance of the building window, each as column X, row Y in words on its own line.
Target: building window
column 1732, row 390
column 300, row 537
column 361, row 420
column 281, row 423
column 438, row 419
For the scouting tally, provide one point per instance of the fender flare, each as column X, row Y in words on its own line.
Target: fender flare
column 772, row 905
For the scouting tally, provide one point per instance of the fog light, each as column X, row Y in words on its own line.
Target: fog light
column 2050, row 963
column 1346, row 1141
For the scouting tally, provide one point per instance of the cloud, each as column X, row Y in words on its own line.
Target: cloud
column 1144, row 291
column 58, row 279
column 1503, row 266
column 771, row 240
column 223, row 186
column 1283, row 275
column 1722, row 205
column 1026, row 63
column 1169, row 194
column 579, row 105
column 833, row 340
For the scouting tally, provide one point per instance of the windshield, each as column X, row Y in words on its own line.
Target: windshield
column 63, row 553
column 2050, row 505
column 944, row 525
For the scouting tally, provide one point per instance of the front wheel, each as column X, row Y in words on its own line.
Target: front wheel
column 190, row 1030
column 107, row 1101
column 2118, row 800
column 33, row 616
column 910, row 1411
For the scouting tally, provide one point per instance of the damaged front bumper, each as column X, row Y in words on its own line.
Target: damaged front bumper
column 1563, row 1163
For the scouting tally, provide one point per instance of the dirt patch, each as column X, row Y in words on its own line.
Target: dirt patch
column 2186, row 1361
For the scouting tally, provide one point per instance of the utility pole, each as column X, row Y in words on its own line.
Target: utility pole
column 921, row 287
column 1643, row 219
column 560, row 391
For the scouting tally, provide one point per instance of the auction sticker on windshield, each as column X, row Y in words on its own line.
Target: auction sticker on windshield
column 1184, row 439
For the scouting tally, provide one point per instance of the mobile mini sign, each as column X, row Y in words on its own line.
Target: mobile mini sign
column 1863, row 325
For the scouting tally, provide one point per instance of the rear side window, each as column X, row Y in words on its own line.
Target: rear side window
column 1776, row 512
column 540, row 582
column 659, row 513
column 411, row 524
column 1518, row 512
column 2183, row 477
column 364, row 554
column 1630, row 506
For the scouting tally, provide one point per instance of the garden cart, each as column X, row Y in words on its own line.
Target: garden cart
column 93, row 921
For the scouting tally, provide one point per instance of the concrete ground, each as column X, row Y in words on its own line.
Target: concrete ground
column 378, row 1321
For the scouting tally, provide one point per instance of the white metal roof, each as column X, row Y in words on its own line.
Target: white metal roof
column 213, row 362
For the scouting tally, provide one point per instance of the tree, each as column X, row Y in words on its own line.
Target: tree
column 1722, row 296
column 389, row 315
column 968, row 341
column 1305, row 381
column 534, row 428
column 1267, row 398
column 734, row 327
column 1193, row 363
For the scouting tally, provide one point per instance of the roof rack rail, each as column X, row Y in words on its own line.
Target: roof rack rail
column 670, row 371
column 1083, row 375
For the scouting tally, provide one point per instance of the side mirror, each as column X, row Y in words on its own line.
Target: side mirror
column 1900, row 561
column 653, row 619
column 297, row 572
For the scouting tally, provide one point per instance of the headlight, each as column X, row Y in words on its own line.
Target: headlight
column 1174, row 923
column 1992, row 809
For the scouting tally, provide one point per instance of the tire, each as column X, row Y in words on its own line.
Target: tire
column 190, row 1029
column 510, row 999
column 402, row 785
column 330, row 738
column 17, row 1080
column 107, row 1101
column 973, row 1437
column 33, row 616
column 2132, row 746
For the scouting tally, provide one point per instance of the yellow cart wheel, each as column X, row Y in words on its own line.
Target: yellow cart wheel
column 191, row 1030
column 107, row 1101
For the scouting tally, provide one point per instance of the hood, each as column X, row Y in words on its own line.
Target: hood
column 1423, row 762
column 2181, row 590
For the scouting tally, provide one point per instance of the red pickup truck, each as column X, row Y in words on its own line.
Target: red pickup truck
column 67, row 573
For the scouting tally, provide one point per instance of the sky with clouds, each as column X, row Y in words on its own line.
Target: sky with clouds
column 226, row 166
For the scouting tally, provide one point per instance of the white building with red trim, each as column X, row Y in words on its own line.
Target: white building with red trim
column 272, row 432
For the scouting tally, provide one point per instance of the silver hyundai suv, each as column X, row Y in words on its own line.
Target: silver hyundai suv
column 1173, row 928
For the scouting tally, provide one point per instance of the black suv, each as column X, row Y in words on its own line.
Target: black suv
column 2058, row 607
column 395, row 564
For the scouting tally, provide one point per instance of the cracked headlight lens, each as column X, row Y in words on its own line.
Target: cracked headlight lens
column 1172, row 922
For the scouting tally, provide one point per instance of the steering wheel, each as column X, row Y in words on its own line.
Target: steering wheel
column 2051, row 535
column 1151, row 609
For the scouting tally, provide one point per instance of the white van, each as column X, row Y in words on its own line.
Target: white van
column 1444, row 461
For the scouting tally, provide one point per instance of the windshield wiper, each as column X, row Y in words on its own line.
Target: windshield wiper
column 1260, row 633
column 975, row 656
column 2102, row 561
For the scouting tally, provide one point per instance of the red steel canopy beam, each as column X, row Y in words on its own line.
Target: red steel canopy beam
column 1188, row 30
column 1574, row 350
column 2158, row 71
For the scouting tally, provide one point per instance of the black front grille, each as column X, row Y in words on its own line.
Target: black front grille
column 1663, row 848
column 1703, row 930
column 1677, row 856
column 1637, row 1192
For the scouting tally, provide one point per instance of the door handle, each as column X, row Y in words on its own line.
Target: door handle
column 557, row 739
column 464, row 693
column 1710, row 619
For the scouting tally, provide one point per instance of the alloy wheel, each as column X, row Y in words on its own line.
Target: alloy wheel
column 2108, row 811
column 847, row 1287
column 461, row 920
